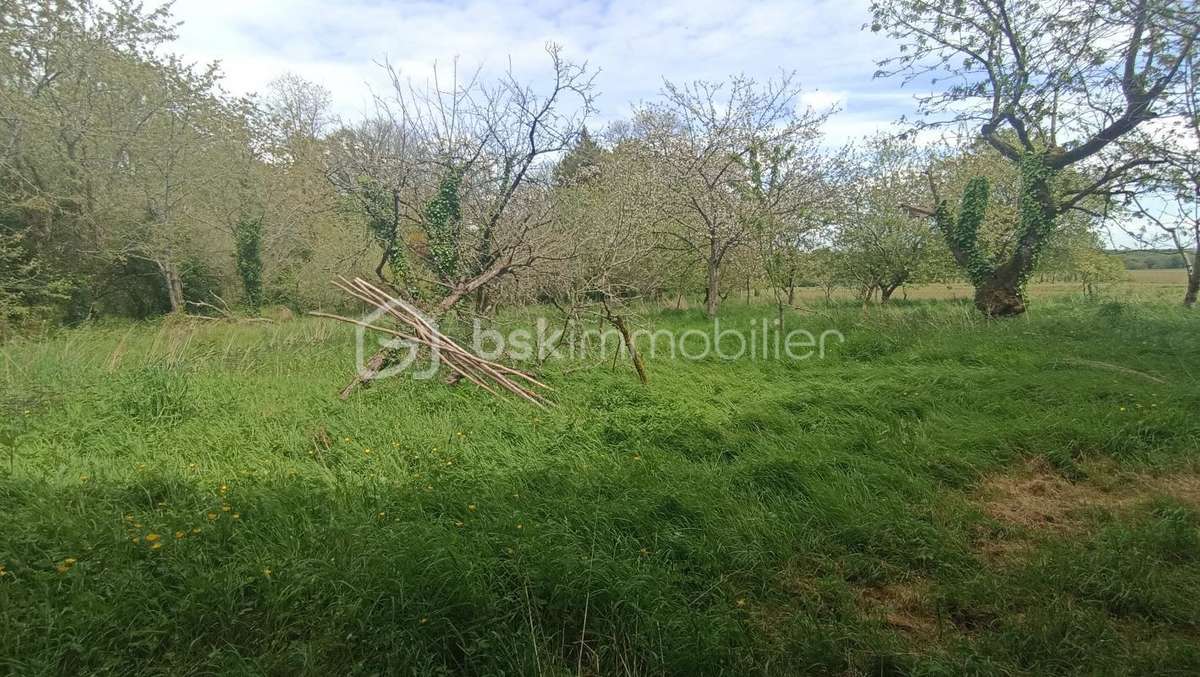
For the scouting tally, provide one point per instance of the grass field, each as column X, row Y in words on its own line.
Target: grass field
column 940, row 495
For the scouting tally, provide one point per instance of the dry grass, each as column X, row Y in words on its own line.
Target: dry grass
column 905, row 607
column 1036, row 500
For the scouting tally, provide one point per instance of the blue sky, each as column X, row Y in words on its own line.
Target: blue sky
column 633, row 44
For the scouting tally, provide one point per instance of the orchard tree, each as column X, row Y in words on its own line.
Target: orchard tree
column 702, row 137
column 883, row 246
column 456, row 180
column 1050, row 85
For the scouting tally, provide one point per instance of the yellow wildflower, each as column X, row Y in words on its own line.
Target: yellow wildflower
column 152, row 537
column 179, row 534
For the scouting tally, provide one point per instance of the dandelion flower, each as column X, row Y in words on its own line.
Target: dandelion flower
column 741, row 602
column 156, row 546
column 471, row 507
column 196, row 530
column 135, row 539
column 212, row 516
column 520, row 526
column 237, row 515
column 267, row 572
column 152, row 537
column 70, row 561
column 424, row 621
column 179, row 534
column 457, row 523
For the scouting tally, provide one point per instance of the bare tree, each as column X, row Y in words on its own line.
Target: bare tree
column 704, row 137
column 455, row 177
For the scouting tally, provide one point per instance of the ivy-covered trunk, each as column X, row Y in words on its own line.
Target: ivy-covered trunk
column 999, row 285
column 248, row 257
column 1000, row 295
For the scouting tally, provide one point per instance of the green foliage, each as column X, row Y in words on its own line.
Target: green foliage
column 383, row 223
column 443, row 226
column 581, row 164
column 248, row 254
column 1035, row 222
column 1149, row 259
column 962, row 231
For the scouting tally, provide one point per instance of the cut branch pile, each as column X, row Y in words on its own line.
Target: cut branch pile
column 490, row 376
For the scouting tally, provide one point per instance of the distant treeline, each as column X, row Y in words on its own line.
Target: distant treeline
column 1148, row 259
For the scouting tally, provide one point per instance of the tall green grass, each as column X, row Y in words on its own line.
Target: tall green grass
column 725, row 519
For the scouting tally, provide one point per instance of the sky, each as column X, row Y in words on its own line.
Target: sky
column 634, row 46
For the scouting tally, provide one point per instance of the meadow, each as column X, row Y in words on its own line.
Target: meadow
column 940, row 494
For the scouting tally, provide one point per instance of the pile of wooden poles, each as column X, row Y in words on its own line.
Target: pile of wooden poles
column 491, row 376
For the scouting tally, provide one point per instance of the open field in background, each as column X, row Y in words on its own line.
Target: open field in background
column 1164, row 284
column 941, row 495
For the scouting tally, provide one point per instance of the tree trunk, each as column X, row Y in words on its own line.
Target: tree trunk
column 885, row 293
column 1193, row 286
column 712, row 297
column 1000, row 295
column 174, row 285
column 619, row 322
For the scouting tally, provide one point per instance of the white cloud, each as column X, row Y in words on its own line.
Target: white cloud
column 634, row 44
